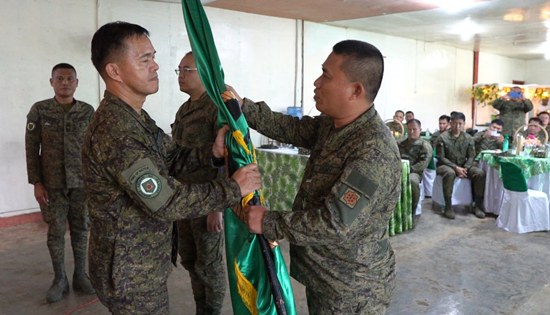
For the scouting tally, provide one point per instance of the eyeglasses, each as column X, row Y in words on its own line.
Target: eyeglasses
column 184, row 70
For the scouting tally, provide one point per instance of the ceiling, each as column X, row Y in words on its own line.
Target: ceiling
column 512, row 28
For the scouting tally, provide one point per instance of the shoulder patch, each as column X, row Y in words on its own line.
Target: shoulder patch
column 144, row 179
column 354, row 194
column 350, row 197
column 148, row 185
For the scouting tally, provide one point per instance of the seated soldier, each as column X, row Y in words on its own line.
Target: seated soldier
column 396, row 126
column 409, row 115
column 456, row 153
column 545, row 119
column 444, row 121
column 490, row 139
column 419, row 154
column 534, row 134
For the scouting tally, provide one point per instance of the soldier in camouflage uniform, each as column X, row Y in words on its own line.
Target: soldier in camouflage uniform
column 338, row 226
column 534, row 131
column 131, row 198
column 396, row 126
column 53, row 141
column 456, row 152
column 512, row 110
column 545, row 119
column 200, row 242
column 419, row 154
column 487, row 140
column 444, row 121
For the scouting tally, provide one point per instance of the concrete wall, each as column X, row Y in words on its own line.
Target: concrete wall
column 261, row 56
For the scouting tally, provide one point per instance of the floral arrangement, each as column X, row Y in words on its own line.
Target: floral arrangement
column 542, row 93
column 486, row 94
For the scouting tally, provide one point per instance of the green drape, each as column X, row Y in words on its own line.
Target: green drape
column 248, row 281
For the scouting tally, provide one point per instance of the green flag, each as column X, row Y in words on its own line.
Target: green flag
column 252, row 290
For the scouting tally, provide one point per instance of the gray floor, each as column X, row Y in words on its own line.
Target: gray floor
column 462, row 266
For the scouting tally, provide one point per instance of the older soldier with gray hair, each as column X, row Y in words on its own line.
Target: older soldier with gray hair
column 53, row 141
column 338, row 226
column 200, row 241
column 131, row 197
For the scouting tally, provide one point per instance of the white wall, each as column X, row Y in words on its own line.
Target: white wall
column 537, row 72
column 261, row 58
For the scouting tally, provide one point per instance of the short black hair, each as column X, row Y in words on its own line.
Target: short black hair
column 363, row 63
column 535, row 119
column 109, row 39
column 409, row 112
column 457, row 116
column 63, row 65
column 498, row 122
column 414, row 120
column 446, row 117
column 399, row 111
column 543, row 113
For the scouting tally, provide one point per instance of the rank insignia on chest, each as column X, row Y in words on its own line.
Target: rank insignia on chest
column 148, row 186
column 350, row 197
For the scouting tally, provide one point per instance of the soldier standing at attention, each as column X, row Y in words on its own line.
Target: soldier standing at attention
column 200, row 241
column 53, row 141
column 338, row 226
column 512, row 108
column 419, row 153
column 131, row 198
column 456, row 152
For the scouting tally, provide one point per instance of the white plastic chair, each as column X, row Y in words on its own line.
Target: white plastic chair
column 462, row 192
column 522, row 210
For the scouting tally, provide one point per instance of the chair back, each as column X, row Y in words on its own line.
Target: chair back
column 512, row 177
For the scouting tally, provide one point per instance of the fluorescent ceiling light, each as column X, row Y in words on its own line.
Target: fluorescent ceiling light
column 466, row 29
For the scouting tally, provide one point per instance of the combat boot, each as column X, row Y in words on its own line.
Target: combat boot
column 60, row 285
column 81, row 282
column 479, row 213
column 449, row 213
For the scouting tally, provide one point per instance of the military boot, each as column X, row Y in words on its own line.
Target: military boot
column 81, row 282
column 479, row 213
column 60, row 285
column 449, row 213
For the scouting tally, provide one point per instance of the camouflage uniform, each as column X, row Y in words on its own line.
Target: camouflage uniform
column 485, row 143
column 433, row 138
column 53, row 142
column 512, row 114
column 338, row 226
column 459, row 151
column 200, row 250
column 133, row 202
column 419, row 154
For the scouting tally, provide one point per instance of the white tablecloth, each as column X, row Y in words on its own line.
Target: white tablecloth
column 494, row 189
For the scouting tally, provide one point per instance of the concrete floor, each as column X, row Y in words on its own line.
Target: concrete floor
column 462, row 266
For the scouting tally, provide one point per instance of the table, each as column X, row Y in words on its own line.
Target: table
column 282, row 171
column 535, row 170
